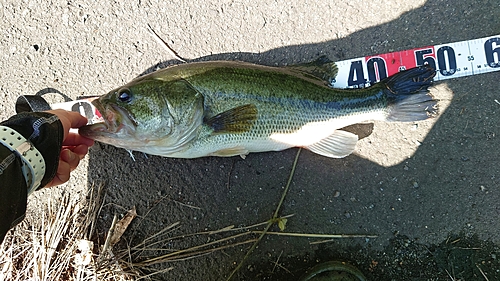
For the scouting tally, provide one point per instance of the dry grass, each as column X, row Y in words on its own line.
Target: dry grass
column 57, row 246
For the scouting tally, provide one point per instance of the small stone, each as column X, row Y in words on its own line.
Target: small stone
column 85, row 17
column 336, row 194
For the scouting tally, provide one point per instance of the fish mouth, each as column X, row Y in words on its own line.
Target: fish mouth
column 115, row 120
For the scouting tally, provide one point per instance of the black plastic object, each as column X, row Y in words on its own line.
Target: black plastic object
column 31, row 103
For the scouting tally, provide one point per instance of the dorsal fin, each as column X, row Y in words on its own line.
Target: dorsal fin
column 322, row 68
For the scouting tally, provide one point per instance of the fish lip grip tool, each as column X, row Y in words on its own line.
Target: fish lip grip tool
column 84, row 106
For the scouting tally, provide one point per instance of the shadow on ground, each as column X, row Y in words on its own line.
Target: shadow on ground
column 416, row 224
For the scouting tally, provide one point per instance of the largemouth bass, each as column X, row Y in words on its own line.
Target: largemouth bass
column 224, row 108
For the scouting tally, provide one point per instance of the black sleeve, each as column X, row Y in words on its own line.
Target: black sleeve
column 45, row 132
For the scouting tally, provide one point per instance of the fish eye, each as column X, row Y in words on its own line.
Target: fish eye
column 124, row 95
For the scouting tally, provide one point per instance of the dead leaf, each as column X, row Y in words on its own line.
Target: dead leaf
column 282, row 224
column 121, row 226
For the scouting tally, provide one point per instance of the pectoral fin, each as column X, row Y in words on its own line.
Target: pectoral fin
column 236, row 120
column 337, row 145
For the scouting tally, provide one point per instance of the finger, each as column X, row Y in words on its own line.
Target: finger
column 62, row 174
column 70, row 119
column 80, row 150
column 70, row 158
column 74, row 139
column 76, row 119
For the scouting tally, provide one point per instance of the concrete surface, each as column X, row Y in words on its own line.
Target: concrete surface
column 427, row 182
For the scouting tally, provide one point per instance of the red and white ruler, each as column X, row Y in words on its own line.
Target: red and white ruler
column 451, row 60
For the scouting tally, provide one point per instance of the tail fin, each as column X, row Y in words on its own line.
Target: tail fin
column 409, row 98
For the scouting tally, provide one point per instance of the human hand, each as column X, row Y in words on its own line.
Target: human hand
column 74, row 148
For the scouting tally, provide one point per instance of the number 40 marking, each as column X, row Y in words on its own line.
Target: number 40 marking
column 377, row 71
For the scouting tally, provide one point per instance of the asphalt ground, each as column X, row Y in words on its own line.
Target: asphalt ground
column 425, row 183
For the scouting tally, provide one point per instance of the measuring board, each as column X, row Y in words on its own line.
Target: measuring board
column 451, row 60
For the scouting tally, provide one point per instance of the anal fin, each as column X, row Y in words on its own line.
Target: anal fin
column 232, row 151
column 337, row 145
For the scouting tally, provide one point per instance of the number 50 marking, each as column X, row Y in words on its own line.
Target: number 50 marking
column 446, row 60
